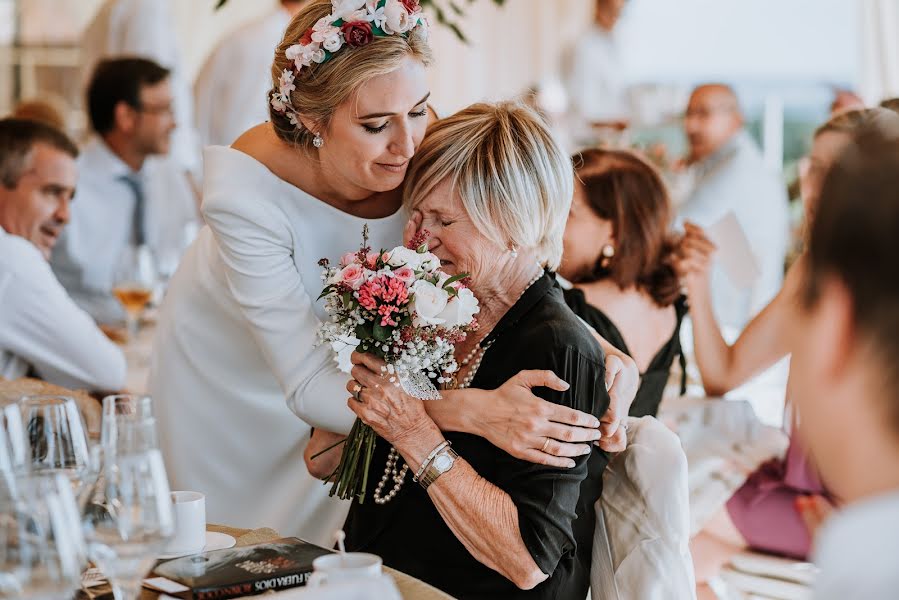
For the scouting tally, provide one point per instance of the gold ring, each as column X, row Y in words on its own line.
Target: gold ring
column 357, row 391
column 545, row 444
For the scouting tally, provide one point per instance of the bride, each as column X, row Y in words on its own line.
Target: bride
column 235, row 345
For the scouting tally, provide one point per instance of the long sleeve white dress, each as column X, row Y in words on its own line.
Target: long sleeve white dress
column 235, row 350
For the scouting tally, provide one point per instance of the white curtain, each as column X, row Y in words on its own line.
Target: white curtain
column 880, row 49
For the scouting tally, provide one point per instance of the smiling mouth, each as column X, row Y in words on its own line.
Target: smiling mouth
column 394, row 168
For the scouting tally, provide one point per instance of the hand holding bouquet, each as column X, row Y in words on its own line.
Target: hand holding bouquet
column 399, row 306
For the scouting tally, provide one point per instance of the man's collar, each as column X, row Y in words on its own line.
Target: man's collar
column 100, row 158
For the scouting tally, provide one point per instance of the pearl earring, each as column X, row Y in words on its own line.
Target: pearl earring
column 608, row 252
column 513, row 250
column 317, row 141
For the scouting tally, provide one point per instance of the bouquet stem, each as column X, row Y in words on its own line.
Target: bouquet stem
column 350, row 479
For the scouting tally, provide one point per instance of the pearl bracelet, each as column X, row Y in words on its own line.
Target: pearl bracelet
column 429, row 458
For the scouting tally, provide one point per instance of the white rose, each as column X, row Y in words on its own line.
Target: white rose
column 333, row 42
column 461, row 309
column 402, row 256
column 396, row 17
column 428, row 262
column 427, row 303
column 341, row 9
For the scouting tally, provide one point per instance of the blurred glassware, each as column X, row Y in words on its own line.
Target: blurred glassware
column 42, row 554
column 128, row 520
column 134, row 281
column 55, row 435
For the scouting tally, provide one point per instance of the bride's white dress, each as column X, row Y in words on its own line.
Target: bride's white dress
column 235, row 361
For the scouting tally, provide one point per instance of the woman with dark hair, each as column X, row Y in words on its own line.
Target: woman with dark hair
column 618, row 254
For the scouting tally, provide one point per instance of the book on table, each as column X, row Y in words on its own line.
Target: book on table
column 242, row 571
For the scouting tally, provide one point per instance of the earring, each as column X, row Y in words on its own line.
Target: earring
column 513, row 250
column 317, row 141
column 608, row 252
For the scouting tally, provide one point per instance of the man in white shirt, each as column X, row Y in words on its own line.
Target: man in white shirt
column 845, row 368
column 729, row 175
column 41, row 328
column 594, row 73
column 146, row 28
column 237, row 77
column 121, row 203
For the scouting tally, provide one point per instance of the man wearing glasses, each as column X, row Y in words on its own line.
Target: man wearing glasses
column 126, row 201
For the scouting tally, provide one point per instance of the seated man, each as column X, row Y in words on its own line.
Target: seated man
column 730, row 175
column 41, row 328
column 124, row 200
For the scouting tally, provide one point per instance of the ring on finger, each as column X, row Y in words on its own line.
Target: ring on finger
column 545, row 444
column 357, row 391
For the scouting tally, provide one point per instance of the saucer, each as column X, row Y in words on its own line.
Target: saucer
column 214, row 541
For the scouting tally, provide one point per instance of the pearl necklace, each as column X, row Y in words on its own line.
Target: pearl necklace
column 474, row 356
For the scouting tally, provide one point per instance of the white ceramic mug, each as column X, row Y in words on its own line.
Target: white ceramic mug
column 351, row 566
column 190, row 523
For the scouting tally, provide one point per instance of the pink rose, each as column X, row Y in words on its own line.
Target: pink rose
column 357, row 33
column 347, row 259
column 353, row 275
column 372, row 260
column 405, row 274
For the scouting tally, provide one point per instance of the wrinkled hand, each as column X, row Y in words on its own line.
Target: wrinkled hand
column 384, row 406
column 694, row 254
column 513, row 419
column 622, row 382
column 814, row 510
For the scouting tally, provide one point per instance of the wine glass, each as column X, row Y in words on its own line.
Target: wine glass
column 134, row 281
column 42, row 554
column 55, row 433
column 129, row 520
column 126, row 406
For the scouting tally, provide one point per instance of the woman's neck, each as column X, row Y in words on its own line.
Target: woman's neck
column 499, row 296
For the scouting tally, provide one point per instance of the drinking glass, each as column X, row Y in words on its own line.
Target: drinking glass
column 42, row 552
column 126, row 406
column 55, row 433
column 134, row 281
column 15, row 453
column 129, row 520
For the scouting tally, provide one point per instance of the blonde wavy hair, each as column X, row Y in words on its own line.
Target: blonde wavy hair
column 321, row 88
column 514, row 180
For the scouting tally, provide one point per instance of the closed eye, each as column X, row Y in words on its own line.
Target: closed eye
column 371, row 129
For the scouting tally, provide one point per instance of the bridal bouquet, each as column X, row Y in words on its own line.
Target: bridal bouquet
column 398, row 305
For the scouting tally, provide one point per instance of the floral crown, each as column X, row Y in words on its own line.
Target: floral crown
column 353, row 23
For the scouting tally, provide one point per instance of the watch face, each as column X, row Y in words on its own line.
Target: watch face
column 443, row 462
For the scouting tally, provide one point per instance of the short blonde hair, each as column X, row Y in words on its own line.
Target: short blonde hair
column 515, row 182
column 321, row 88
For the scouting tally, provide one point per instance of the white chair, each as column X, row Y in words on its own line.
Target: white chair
column 641, row 544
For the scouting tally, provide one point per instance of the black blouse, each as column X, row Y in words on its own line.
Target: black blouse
column 655, row 378
column 555, row 506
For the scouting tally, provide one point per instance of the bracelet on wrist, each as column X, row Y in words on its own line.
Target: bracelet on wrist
column 428, row 459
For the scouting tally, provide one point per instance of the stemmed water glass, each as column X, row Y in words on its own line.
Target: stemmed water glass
column 54, row 431
column 135, row 279
column 129, row 519
column 42, row 553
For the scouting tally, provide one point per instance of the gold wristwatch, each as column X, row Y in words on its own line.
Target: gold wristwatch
column 440, row 464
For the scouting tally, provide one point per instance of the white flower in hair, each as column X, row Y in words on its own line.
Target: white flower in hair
column 286, row 84
column 292, row 117
column 396, row 18
column 278, row 104
column 327, row 35
column 376, row 15
column 343, row 9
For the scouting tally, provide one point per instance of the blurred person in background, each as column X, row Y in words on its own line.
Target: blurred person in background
column 235, row 78
column 846, row 367
column 147, row 28
column 729, row 175
column 891, row 104
column 619, row 253
column 121, row 203
column 42, row 331
column 844, row 100
column 777, row 509
column 45, row 111
column 594, row 73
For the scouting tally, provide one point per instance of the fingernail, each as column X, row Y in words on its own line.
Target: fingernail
column 565, row 385
column 571, row 464
column 586, row 450
column 595, row 423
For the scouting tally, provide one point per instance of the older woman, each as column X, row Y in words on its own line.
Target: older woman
column 494, row 190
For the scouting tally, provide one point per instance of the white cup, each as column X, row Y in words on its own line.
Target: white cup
column 190, row 523
column 351, row 566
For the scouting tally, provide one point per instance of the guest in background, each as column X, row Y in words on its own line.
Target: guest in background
column 891, row 104
column 593, row 71
column 41, row 329
column 844, row 100
column 729, row 175
column 767, row 512
column 235, row 78
column 846, row 367
column 147, row 28
column 493, row 189
column 121, row 204
column 45, row 111
column 618, row 253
